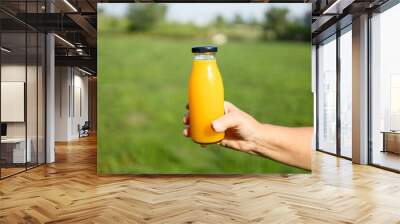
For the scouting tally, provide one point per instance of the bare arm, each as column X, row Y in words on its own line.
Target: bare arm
column 288, row 145
column 291, row 146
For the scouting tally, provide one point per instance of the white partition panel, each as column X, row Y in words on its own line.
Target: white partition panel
column 12, row 101
column 327, row 96
column 346, row 94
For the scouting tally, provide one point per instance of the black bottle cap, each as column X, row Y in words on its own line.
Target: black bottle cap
column 204, row 49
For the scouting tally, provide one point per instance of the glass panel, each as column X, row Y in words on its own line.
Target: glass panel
column 385, row 114
column 32, row 90
column 327, row 96
column 41, row 98
column 13, row 89
column 23, row 90
column 346, row 94
column 31, row 100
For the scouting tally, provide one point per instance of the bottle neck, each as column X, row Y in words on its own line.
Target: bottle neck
column 204, row 56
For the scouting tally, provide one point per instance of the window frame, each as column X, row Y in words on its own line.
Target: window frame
column 340, row 30
column 379, row 10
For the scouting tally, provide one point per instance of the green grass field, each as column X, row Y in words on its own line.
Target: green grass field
column 142, row 93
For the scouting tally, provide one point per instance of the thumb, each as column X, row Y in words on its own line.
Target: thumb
column 227, row 121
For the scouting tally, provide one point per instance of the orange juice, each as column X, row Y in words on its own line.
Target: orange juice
column 206, row 95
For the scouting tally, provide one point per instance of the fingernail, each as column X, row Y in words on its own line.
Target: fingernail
column 217, row 126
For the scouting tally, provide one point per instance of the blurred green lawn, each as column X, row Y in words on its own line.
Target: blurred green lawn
column 142, row 93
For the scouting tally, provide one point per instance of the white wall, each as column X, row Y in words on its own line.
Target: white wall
column 62, row 82
column 79, row 117
column 70, row 83
column 12, row 73
column 33, row 126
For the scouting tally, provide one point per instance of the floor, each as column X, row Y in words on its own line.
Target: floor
column 5, row 172
column 10, row 171
column 69, row 191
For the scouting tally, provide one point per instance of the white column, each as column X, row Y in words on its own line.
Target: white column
column 360, row 90
column 62, row 103
column 50, row 99
column 50, row 92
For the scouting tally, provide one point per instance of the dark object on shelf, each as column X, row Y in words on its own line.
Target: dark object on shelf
column 84, row 130
column 391, row 141
column 3, row 129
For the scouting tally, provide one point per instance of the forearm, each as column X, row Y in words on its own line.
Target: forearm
column 288, row 145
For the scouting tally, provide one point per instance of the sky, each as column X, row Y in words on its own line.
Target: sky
column 203, row 13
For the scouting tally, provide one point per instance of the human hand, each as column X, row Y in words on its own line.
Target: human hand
column 240, row 129
column 291, row 146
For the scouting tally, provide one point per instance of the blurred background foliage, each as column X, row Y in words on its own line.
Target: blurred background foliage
column 150, row 19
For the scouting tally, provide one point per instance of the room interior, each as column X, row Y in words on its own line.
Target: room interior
column 50, row 82
column 22, row 101
column 334, row 47
column 385, row 91
column 26, row 62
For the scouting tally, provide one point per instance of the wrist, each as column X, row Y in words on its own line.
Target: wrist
column 264, row 137
column 258, row 137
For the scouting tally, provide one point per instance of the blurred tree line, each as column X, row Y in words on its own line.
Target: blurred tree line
column 276, row 24
column 145, row 16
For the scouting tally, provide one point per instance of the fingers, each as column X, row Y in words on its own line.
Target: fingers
column 229, row 120
column 185, row 119
column 233, row 144
column 186, row 132
column 229, row 107
column 225, row 122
